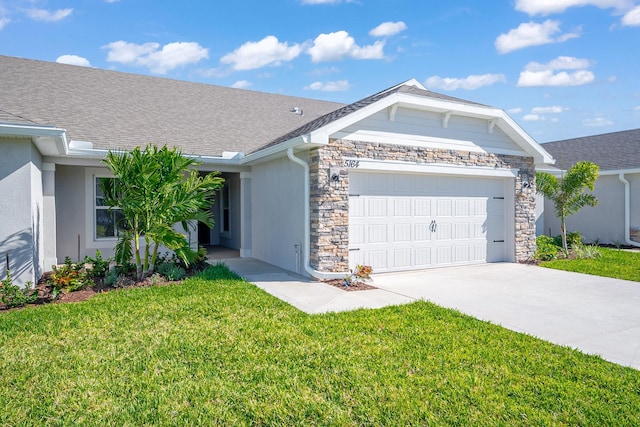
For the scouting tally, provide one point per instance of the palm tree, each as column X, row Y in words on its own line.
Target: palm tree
column 155, row 189
column 568, row 193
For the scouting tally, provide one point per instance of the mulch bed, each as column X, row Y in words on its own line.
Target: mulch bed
column 353, row 286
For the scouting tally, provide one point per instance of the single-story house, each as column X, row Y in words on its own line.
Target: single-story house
column 403, row 179
column 616, row 218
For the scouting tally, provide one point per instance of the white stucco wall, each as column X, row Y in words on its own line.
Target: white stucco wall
column 20, row 210
column 71, row 207
column 277, row 202
column 603, row 223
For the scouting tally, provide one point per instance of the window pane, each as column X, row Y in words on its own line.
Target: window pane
column 105, row 223
column 99, row 192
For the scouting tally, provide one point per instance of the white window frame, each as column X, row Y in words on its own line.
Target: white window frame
column 93, row 242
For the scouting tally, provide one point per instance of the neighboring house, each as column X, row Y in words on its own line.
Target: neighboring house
column 403, row 179
column 616, row 218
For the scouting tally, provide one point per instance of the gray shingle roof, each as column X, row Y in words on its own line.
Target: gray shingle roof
column 116, row 110
column 348, row 109
column 610, row 151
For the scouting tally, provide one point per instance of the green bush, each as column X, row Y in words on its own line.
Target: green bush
column 99, row 266
column 69, row 277
column 573, row 239
column 546, row 248
column 171, row 271
column 12, row 295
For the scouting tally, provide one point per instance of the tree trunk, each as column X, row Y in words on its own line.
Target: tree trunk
column 563, row 233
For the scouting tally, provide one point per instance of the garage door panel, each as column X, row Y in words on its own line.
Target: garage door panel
column 356, row 234
column 377, row 233
column 422, row 257
column 422, row 207
column 402, row 258
column 377, row 207
column 462, row 231
column 402, row 207
column 356, row 207
column 421, row 232
column 377, row 259
column 444, row 207
column 462, row 208
column 402, row 233
column 402, row 222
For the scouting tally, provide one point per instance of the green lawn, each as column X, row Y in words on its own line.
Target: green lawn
column 613, row 263
column 219, row 351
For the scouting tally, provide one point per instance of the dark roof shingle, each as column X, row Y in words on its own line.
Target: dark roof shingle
column 116, row 110
column 610, row 151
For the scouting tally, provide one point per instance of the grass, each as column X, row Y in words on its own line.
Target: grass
column 219, row 351
column 614, row 263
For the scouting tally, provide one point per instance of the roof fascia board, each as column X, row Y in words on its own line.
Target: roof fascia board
column 40, row 135
column 277, row 150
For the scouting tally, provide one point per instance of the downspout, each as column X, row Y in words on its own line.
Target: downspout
column 307, row 226
column 627, row 211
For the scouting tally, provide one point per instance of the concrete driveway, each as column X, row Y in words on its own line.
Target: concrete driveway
column 594, row 314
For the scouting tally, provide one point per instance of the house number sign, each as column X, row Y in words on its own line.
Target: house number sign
column 352, row 164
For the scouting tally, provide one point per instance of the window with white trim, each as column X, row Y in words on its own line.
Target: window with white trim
column 106, row 221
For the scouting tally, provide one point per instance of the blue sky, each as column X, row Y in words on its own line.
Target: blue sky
column 560, row 68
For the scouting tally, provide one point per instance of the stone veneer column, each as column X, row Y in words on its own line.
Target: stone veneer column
column 329, row 212
column 329, row 201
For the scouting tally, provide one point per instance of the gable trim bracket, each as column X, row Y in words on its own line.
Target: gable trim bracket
column 445, row 119
column 491, row 124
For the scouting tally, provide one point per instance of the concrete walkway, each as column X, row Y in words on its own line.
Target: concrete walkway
column 596, row 315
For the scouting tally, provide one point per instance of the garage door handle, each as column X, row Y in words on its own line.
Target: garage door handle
column 355, row 249
column 433, row 226
column 498, row 241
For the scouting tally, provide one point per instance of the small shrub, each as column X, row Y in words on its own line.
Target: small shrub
column 171, row 271
column 573, row 239
column 69, row 277
column 12, row 295
column 546, row 248
column 586, row 252
column 99, row 266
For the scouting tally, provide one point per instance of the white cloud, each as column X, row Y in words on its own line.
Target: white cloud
column 632, row 18
column 268, row 51
column 148, row 55
column 73, row 60
column 388, row 29
column 469, row 83
column 531, row 34
column 545, row 7
column 532, row 118
column 339, row 45
column 241, row 84
column 549, row 78
column 46, row 16
column 597, row 121
column 548, row 110
column 536, row 74
column 561, row 63
column 3, row 22
column 516, row 110
column 336, row 86
column 637, row 110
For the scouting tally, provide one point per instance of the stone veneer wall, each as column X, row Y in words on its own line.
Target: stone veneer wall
column 329, row 201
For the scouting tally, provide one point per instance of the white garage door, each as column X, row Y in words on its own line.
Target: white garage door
column 403, row 221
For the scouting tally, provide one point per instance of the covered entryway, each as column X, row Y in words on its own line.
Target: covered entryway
column 414, row 221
